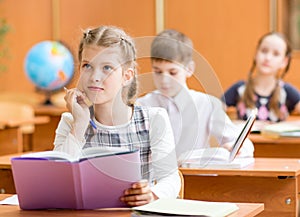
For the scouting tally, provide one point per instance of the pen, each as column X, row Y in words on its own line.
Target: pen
column 93, row 124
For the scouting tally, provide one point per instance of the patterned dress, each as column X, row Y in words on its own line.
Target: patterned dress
column 133, row 135
column 289, row 97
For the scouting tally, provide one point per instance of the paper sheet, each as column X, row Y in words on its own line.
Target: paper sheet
column 13, row 200
column 189, row 207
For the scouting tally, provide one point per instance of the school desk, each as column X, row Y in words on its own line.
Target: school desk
column 282, row 147
column 6, row 178
column 11, row 140
column 245, row 210
column 44, row 134
column 12, row 136
column 272, row 181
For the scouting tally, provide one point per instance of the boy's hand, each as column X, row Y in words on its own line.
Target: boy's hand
column 229, row 148
column 139, row 194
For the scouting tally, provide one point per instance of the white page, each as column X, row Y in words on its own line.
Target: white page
column 189, row 207
column 13, row 200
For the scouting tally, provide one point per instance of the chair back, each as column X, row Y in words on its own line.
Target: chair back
column 181, row 192
column 17, row 112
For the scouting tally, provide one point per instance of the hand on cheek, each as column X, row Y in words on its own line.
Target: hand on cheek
column 139, row 194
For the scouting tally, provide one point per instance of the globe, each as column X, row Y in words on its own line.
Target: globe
column 49, row 65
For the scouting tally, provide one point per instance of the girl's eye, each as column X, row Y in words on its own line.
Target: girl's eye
column 86, row 66
column 158, row 72
column 276, row 53
column 107, row 69
column 264, row 50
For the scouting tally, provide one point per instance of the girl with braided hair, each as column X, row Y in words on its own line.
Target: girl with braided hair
column 265, row 88
column 107, row 65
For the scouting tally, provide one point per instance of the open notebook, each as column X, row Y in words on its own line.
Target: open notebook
column 218, row 157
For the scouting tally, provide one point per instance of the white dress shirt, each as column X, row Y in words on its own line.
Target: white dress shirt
column 197, row 117
column 163, row 158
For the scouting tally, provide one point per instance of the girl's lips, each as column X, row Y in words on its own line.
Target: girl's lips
column 266, row 64
column 95, row 88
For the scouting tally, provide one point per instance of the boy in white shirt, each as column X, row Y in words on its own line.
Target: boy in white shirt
column 196, row 117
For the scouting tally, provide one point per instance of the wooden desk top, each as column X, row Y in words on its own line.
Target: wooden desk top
column 49, row 110
column 10, row 123
column 5, row 160
column 258, row 138
column 245, row 210
column 261, row 167
column 266, row 167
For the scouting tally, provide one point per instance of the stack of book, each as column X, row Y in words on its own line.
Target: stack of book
column 282, row 129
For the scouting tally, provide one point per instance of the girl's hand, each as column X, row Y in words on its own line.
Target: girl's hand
column 75, row 103
column 139, row 194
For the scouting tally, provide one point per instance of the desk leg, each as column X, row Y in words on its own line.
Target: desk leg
column 44, row 135
column 280, row 196
column 7, row 185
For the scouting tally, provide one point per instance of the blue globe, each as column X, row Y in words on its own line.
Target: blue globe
column 49, row 65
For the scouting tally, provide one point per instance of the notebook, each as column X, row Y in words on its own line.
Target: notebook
column 181, row 207
column 46, row 180
column 218, row 157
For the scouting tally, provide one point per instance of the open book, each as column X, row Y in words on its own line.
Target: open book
column 86, row 153
column 218, row 157
column 180, row 207
column 46, row 180
column 215, row 158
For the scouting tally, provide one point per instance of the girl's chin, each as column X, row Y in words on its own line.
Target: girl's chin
column 266, row 71
column 168, row 94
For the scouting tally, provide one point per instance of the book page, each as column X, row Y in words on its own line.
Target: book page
column 85, row 154
column 214, row 154
column 188, row 207
column 12, row 200
column 237, row 163
column 99, row 151
column 50, row 155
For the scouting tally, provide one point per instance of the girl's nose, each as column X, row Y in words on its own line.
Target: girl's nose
column 98, row 76
column 268, row 55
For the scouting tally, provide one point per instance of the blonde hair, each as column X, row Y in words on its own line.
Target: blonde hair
column 173, row 46
column 110, row 36
column 249, row 96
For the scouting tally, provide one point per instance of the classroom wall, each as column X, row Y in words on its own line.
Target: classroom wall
column 31, row 21
column 224, row 34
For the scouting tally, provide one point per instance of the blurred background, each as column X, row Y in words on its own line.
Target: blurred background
column 224, row 33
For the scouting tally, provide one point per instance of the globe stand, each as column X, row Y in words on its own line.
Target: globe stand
column 47, row 95
column 48, row 99
column 47, row 102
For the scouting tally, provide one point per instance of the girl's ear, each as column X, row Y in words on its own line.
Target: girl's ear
column 190, row 68
column 128, row 74
column 284, row 62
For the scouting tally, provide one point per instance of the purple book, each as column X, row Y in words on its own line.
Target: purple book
column 89, row 183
